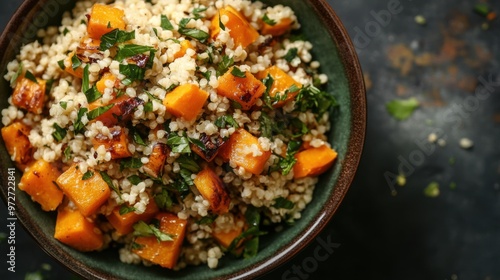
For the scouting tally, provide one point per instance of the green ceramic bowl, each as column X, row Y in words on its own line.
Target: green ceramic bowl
column 335, row 51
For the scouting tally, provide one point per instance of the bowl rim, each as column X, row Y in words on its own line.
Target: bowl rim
column 354, row 75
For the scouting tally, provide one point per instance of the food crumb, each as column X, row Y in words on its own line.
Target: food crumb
column 419, row 19
column 401, row 180
column 432, row 190
column 466, row 143
column 441, row 142
column 432, row 138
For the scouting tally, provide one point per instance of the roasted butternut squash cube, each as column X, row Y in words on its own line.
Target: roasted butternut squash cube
column 117, row 145
column 185, row 45
column 313, row 161
column 244, row 90
column 89, row 194
column 68, row 63
column 225, row 238
column 17, row 142
column 211, row 147
column 38, row 181
column 103, row 19
column 244, row 150
column 157, row 158
column 186, row 101
column 163, row 253
column 29, row 95
column 123, row 224
column 240, row 29
column 101, row 84
column 277, row 29
column 120, row 113
column 213, row 189
column 88, row 49
column 77, row 231
column 282, row 83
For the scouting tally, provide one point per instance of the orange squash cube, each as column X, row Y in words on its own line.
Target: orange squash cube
column 277, row 29
column 225, row 238
column 164, row 253
column 186, row 101
column 117, row 146
column 38, row 181
column 18, row 144
column 243, row 149
column 185, row 45
column 121, row 112
column 29, row 95
column 281, row 83
column 103, row 19
column 313, row 161
column 246, row 91
column 212, row 189
column 77, row 72
column 101, row 84
column 123, row 224
column 88, row 195
column 240, row 30
column 77, row 231
column 157, row 159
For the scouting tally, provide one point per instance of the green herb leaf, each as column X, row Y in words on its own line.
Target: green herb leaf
column 78, row 125
column 221, row 25
column 17, row 74
column 266, row 98
column 148, row 107
column 291, row 54
column 432, row 190
column 143, row 229
column 85, row 79
column 482, row 9
column 132, row 71
column 163, row 199
column 28, row 75
column 59, row 134
column 133, row 163
column 89, row 174
column 188, row 163
column 194, row 33
column 114, row 37
column 238, row 73
column 67, row 153
column 266, row 125
column 134, row 179
column 224, row 65
column 109, row 182
column 65, row 31
column 402, row 109
column 207, row 220
column 126, row 209
column 129, row 50
column 286, row 164
column 268, row 21
column 165, row 23
column 178, row 144
column 75, row 62
column 311, row 98
column 61, row 64
column 92, row 94
column 226, row 121
column 197, row 12
column 63, row 104
column 137, row 138
column 284, row 203
column 99, row 111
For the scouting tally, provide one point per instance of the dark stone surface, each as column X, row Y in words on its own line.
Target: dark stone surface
column 444, row 64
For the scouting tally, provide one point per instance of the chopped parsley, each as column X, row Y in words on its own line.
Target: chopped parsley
column 78, row 126
column 109, row 182
column 92, row 94
column 283, row 203
column 59, row 134
column 129, row 50
column 402, row 109
column 251, row 235
column 89, row 174
column 75, row 62
column 85, row 79
column 432, row 190
column 143, row 229
column 312, row 98
column 165, row 23
column 134, row 179
column 224, row 65
column 17, row 74
column 197, row 12
column 28, row 75
column 61, row 64
column 238, row 73
column 163, row 199
column 130, row 163
column 114, row 37
column 194, row 33
column 99, row 111
column 226, row 121
column 221, row 25
column 126, row 209
column 268, row 21
column 63, row 104
column 132, row 72
column 178, row 144
column 291, row 54
column 67, row 153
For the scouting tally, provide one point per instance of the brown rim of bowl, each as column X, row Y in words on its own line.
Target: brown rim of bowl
column 355, row 146
column 25, row 13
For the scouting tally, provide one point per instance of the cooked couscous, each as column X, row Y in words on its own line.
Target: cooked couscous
column 180, row 130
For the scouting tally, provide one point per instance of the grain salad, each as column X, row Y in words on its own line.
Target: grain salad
column 178, row 131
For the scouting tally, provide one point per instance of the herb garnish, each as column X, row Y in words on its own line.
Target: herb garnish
column 165, row 23
column 59, row 134
column 99, row 111
column 283, row 203
column 143, row 229
column 92, row 94
column 268, row 21
column 402, row 109
column 178, row 144
column 89, row 174
column 194, row 33
column 114, row 37
column 129, row 50
column 238, row 73
column 291, row 54
column 110, row 184
column 28, row 75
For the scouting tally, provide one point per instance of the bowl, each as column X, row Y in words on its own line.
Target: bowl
column 336, row 53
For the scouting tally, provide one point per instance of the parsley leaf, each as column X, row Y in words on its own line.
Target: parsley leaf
column 92, row 94
column 109, row 182
column 134, row 179
column 432, row 190
column 291, row 54
column 165, row 23
column 89, row 174
column 78, row 125
column 163, row 199
column 85, row 79
column 238, row 73
column 114, row 37
column 67, row 153
column 75, row 62
column 61, row 64
column 224, row 65
column 99, row 111
column 133, row 163
column 311, row 98
column 178, row 144
column 194, row 33
column 402, row 109
column 28, row 75
column 266, row 125
column 132, row 72
column 284, row 203
column 17, row 74
column 268, row 21
column 59, row 134
column 197, row 12
column 126, row 209
column 129, row 50
column 225, row 121
column 143, row 229
column 221, row 25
